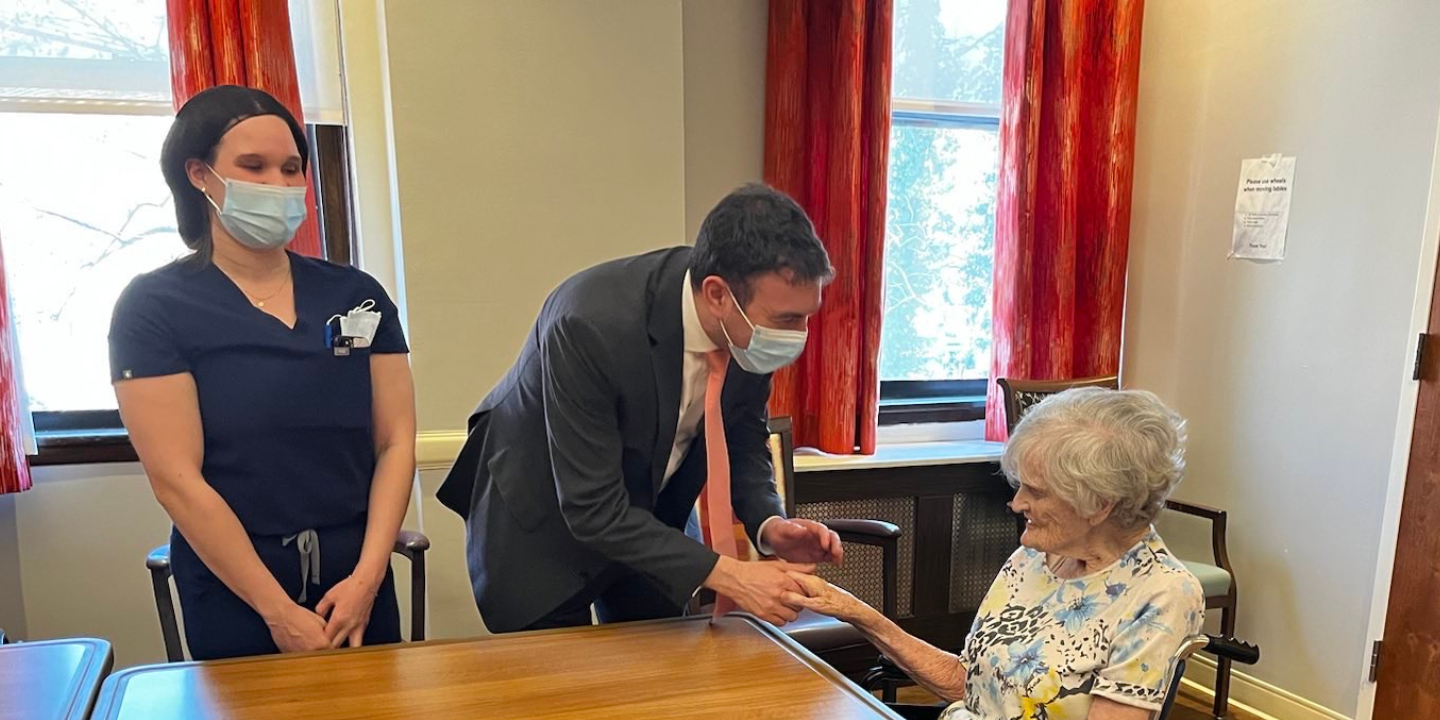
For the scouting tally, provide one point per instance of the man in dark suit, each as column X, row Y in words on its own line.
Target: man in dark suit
column 583, row 464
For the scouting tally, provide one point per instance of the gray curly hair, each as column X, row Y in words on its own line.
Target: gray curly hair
column 1094, row 447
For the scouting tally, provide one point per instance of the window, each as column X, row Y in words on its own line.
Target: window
column 940, row 224
column 85, row 104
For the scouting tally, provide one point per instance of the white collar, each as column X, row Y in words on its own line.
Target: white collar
column 696, row 340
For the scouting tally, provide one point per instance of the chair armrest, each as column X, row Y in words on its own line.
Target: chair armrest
column 1219, row 524
column 159, row 559
column 884, row 535
column 1233, row 649
column 1196, row 509
column 884, row 670
column 863, row 530
column 411, row 543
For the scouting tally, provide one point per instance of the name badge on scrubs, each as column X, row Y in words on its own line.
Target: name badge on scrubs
column 357, row 328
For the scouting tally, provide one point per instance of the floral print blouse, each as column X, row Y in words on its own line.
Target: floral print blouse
column 1042, row 647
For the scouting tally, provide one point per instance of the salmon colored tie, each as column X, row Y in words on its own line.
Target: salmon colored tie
column 719, row 530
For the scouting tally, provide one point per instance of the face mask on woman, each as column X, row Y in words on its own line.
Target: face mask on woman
column 260, row 217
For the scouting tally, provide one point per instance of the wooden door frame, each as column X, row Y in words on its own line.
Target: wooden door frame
column 1425, row 286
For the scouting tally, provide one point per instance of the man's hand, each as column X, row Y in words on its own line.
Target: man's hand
column 757, row 587
column 803, row 541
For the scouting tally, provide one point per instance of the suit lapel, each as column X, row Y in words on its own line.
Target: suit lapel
column 667, row 347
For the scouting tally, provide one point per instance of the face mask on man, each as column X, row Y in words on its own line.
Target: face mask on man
column 770, row 349
column 260, row 217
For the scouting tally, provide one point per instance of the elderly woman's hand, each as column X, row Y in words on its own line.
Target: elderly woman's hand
column 826, row 599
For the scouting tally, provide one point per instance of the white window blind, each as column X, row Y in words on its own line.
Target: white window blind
column 315, row 29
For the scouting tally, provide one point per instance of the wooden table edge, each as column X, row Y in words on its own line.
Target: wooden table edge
column 114, row 685
column 820, row 667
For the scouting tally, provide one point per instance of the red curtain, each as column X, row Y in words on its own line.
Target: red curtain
column 827, row 134
column 239, row 42
column 14, row 468
column 1062, row 220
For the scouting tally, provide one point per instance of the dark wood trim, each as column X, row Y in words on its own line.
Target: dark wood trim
column 927, row 401
column 931, row 412
column 84, row 449
column 934, row 526
column 333, row 192
column 933, row 389
column 863, row 484
column 97, row 422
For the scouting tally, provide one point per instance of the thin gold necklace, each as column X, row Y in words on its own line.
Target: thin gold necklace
column 259, row 302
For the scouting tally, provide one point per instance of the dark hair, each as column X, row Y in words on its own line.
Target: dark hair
column 756, row 230
column 198, row 127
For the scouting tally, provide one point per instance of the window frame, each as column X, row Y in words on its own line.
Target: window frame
column 937, row 400
column 77, row 437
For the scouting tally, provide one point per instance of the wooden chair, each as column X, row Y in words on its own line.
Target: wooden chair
column 826, row 636
column 1217, row 578
column 409, row 543
column 1021, row 395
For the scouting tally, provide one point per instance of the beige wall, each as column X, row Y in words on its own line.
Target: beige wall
column 532, row 138
column 1289, row 373
column 83, row 534
column 584, row 131
column 724, row 101
column 12, row 603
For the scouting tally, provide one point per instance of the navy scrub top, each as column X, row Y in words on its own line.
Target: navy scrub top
column 287, row 423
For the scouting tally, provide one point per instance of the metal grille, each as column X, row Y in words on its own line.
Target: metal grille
column 984, row 536
column 862, row 573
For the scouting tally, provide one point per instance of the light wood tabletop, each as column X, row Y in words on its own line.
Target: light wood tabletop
column 52, row 679
column 692, row 668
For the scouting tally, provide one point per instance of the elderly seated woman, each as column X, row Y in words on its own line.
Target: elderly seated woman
column 1084, row 617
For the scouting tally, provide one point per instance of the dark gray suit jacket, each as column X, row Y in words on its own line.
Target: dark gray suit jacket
column 561, row 473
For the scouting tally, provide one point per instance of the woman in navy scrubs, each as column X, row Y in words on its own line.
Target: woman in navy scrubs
column 269, row 398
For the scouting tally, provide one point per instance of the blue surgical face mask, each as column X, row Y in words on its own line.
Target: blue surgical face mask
column 260, row 217
column 769, row 349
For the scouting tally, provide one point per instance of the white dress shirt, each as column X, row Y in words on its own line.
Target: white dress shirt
column 694, row 372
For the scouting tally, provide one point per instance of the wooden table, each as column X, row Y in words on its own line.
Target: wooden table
column 736, row 667
column 52, row 679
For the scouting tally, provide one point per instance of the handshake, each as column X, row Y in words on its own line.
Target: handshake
column 777, row 591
